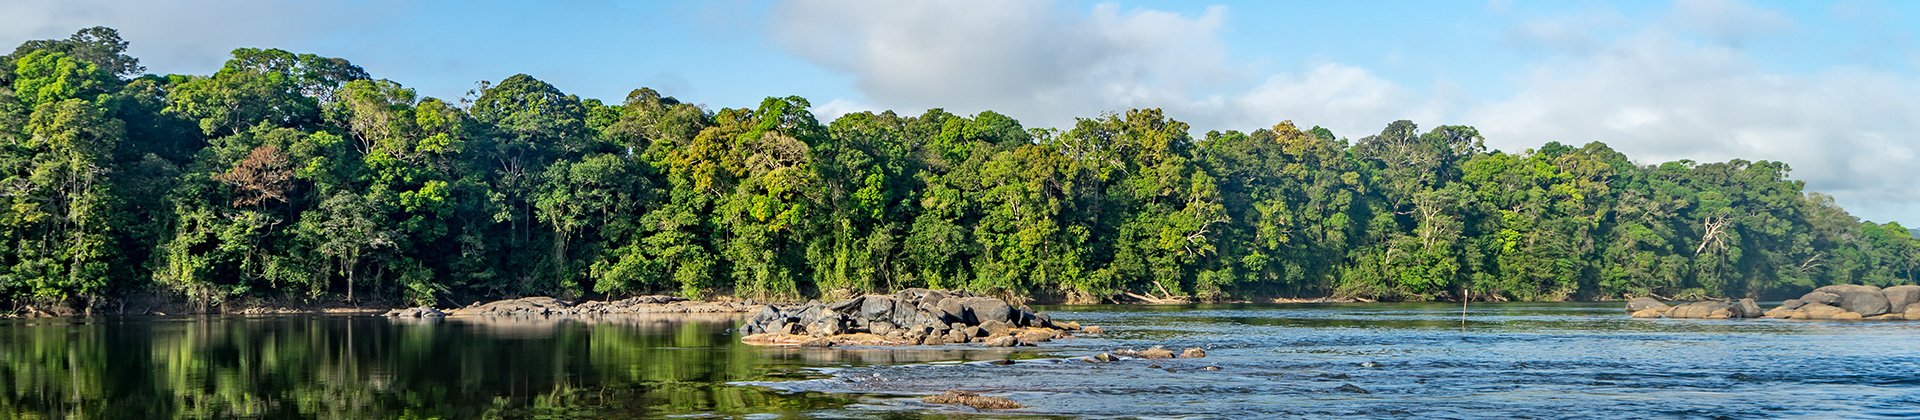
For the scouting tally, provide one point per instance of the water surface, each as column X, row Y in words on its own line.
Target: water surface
column 1413, row 360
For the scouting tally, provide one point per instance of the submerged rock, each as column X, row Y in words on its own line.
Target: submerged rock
column 416, row 312
column 1157, row 352
column 1352, row 389
column 543, row 306
column 1193, row 353
column 957, row 397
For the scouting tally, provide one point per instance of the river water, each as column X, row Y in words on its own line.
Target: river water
column 1366, row 360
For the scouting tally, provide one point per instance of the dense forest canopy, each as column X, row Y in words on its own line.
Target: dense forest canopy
column 296, row 177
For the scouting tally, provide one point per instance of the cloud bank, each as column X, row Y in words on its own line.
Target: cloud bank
column 1681, row 85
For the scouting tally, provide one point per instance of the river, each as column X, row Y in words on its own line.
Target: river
column 1411, row 360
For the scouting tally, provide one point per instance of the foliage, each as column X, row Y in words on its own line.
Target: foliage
column 296, row 176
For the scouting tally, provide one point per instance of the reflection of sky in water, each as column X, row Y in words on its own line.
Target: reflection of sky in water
column 1508, row 360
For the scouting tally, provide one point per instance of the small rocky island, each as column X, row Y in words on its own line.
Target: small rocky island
column 909, row 317
column 1836, row 302
column 543, row 306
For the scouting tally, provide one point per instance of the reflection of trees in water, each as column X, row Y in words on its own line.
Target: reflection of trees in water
column 371, row 368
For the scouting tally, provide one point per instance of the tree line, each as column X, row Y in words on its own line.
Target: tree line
column 301, row 177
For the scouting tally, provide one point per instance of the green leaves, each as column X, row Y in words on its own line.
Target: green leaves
column 295, row 176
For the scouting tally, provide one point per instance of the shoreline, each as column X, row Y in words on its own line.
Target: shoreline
column 149, row 307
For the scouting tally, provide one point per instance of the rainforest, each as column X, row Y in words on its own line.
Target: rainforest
column 288, row 177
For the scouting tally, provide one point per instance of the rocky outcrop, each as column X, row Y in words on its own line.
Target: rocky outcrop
column 1636, row 305
column 542, row 306
column 1860, row 299
column 1834, row 302
column 418, row 312
column 970, row 399
column 1713, row 309
column 909, row 317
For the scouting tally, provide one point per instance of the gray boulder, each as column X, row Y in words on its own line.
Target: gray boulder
column 1820, row 297
column 1862, row 299
column 1644, row 303
column 1898, row 297
column 1703, row 310
column 983, row 309
column 1747, row 308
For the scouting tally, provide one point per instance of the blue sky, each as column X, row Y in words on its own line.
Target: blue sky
column 1832, row 88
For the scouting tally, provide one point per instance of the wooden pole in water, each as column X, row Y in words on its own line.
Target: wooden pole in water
column 1463, row 306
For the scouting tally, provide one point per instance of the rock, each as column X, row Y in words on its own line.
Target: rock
column 1103, row 358
column 972, row 400
column 1001, row 341
column 876, row 307
column 817, row 342
column 1791, row 304
column 1352, row 389
column 1913, row 313
column 1701, row 310
column 983, row 309
column 1636, row 305
column 1848, row 316
column 530, row 306
column 1820, row 297
column 848, row 305
column 996, row 328
column 1211, row 368
column 1888, row 317
column 1370, row 364
column 1648, row 313
column 1747, row 308
column 1723, row 313
column 1901, row 297
column 1033, row 337
column 913, row 316
column 1782, row 312
column 1866, row 300
column 1095, row 330
column 417, row 312
column 1193, row 353
column 830, row 324
column 1816, row 310
column 1156, row 352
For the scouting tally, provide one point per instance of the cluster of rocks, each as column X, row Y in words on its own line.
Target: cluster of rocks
column 416, row 312
column 1852, row 301
column 972, row 399
column 1156, row 352
column 909, row 317
column 1838, row 302
column 542, row 306
column 1712, row 309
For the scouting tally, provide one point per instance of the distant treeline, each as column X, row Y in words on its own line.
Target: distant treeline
column 297, row 177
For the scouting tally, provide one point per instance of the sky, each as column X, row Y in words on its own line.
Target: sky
column 1830, row 88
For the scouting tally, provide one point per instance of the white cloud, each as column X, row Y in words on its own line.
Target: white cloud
column 1657, row 96
column 1729, row 20
column 1047, row 64
column 1349, row 100
column 833, row 109
column 1035, row 59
